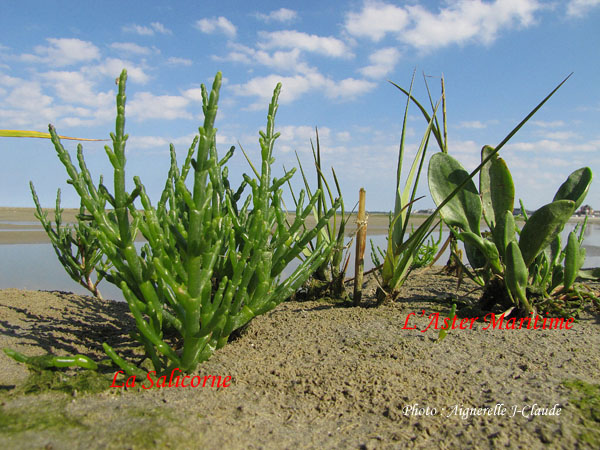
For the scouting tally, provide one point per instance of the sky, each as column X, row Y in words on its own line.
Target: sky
column 499, row 58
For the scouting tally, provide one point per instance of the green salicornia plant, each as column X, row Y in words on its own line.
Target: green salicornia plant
column 426, row 254
column 210, row 264
column 76, row 246
column 329, row 276
column 516, row 266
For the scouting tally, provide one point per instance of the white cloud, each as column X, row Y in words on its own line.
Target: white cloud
column 130, row 47
column 112, row 67
column 328, row 46
column 467, row 20
column 142, row 30
column 26, row 106
column 382, row 61
column 299, row 137
column 27, row 103
column 288, row 61
column 546, row 124
column 467, row 152
column 75, row 116
column 63, row 52
column 145, row 105
column 8, row 81
column 27, row 95
column 139, row 29
column 194, row 94
column 160, row 28
column 283, row 60
column 459, row 22
column 217, row 24
column 578, row 8
column 146, row 142
column 72, row 98
column 293, row 87
column 475, row 124
column 181, row 143
column 375, row 20
column 561, row 135
column 568, row 148
column 343, row 136
column 75, row 88
column 279, row 15
column 238, row 55
column 179, row 61
column 303, row 132
column 348, row 88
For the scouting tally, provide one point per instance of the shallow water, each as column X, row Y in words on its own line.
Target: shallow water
column 36, row 267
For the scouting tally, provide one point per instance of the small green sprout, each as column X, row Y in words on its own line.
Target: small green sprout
column 447, row 324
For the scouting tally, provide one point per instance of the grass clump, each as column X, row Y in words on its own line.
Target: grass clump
column 328, row 279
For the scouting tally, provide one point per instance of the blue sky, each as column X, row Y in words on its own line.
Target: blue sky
column 59, row 61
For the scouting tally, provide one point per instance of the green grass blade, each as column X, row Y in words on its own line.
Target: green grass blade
column 526, row 119
column 435, row 131
column 40, row 135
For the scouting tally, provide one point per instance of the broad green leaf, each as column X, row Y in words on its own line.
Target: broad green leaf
column 496, row 187
column 571, row 259
column 485, row 247
column 504, row 232
column 516, row 274
column 590, row 274
column 399, row 201
column 476, row 258
column 435, row 130
column 558, row 275
column 404, row 199
column 542, row 227
column 38, row 134
column 575, row 187
column 464, row 209
column 553, row 251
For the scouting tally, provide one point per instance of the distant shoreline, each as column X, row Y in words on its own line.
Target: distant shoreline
column 20, row 226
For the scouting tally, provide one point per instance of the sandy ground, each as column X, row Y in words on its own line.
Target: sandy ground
column 310, row 375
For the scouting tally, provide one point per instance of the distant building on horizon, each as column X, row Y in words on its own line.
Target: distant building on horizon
column 519, row 212
column 587, row 210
